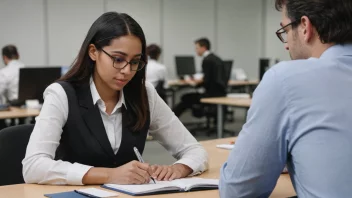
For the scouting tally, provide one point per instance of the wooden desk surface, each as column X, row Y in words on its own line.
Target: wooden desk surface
column 232, row 83
column 238, row 102
column 16, row 112
column 217, row 157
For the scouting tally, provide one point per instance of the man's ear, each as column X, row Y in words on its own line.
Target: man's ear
column 307, row 29
column 93, row 52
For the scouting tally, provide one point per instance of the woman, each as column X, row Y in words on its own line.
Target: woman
column 102, row 108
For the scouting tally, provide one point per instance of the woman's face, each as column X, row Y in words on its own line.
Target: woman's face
column 110, row 61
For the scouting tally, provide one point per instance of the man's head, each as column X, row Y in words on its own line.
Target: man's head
column 9, row 53
column 202, row 45
column 153, row 51
column 309, row 27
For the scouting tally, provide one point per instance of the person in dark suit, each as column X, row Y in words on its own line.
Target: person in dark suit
column 214, row 80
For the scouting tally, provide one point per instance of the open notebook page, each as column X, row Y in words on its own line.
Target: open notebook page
column 178, row 184
column 145, row 188
column 189, row 183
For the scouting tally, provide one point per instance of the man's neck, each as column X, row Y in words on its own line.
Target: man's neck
column 320, row 49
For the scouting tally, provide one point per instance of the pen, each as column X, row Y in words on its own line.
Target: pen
column 140, row 159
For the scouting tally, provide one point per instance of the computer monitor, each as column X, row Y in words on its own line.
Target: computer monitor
column 263, row 67
column 33, row 82
column 185, row 65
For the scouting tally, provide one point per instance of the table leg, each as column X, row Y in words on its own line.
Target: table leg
column 220, row 120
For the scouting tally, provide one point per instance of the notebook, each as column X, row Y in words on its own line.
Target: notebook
column 178, row 185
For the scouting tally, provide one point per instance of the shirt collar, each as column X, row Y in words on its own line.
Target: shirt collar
column 206, row 53
column 151, row 60
column 337, row 50
column 14, row 62
column 96, row 97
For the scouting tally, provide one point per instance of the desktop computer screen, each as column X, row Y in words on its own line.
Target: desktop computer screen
column 33, row 82
column 185, row 65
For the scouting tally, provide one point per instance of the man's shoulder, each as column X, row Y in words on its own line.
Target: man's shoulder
column 287, row 69
column 155, row 63
column 212, row 57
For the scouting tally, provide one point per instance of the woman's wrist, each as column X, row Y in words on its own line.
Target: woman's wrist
column 97, row 176
column 184, row 169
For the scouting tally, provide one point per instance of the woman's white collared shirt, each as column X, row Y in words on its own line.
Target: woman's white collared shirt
column 40, row 167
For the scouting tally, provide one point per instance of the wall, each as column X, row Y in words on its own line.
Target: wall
column 50, row 32
column 239, row 33
column 22, row 24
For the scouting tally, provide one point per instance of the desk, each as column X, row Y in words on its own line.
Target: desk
column 177, row 84
column 16, row 112
column 217, row 157
column 236, row 102
column 232, row 83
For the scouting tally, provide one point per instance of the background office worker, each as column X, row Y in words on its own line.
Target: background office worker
column 214, row 79
column 301, row 112
column 9, row 76
column 156, row 72
column 102, row 108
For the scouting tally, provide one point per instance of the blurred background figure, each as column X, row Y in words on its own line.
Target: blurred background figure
column 9, row 75
column 156, row 72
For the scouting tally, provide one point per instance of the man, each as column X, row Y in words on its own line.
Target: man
column 301, row 112
column 156, row 72
column 9, row 75
column 214, row 80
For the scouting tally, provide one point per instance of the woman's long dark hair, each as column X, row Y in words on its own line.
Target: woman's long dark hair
column 107, row 27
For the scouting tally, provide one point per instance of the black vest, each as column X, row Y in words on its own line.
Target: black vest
column 84, row 139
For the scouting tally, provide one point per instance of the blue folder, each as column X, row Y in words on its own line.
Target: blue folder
column 70, row 194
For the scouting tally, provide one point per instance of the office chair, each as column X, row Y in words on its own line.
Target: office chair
column 161, row 90
column 13, row 144
column 264, row 65
column 210, row 111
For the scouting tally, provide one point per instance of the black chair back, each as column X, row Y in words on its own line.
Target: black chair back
column 13, row 144
column 228, row 69
column 161, row 90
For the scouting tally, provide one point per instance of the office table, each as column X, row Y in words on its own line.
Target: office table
column 16, row 112
column 228, row 101
column 178, row 84
column 232, row 83
column 217, row 157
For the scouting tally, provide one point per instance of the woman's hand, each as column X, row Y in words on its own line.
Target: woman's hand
column 168, row 173
column 133, row 172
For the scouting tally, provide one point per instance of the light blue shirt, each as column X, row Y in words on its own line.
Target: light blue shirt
column 301, row 115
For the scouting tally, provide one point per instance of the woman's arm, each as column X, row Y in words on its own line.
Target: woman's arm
column 167, row 129
column 39, row 165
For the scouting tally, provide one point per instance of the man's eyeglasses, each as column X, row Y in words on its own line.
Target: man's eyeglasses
column 282, row 33
column 120, row 63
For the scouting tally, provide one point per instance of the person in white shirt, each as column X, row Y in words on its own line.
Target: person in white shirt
column 156, row 71
column 102, row 108
column 9, row 75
